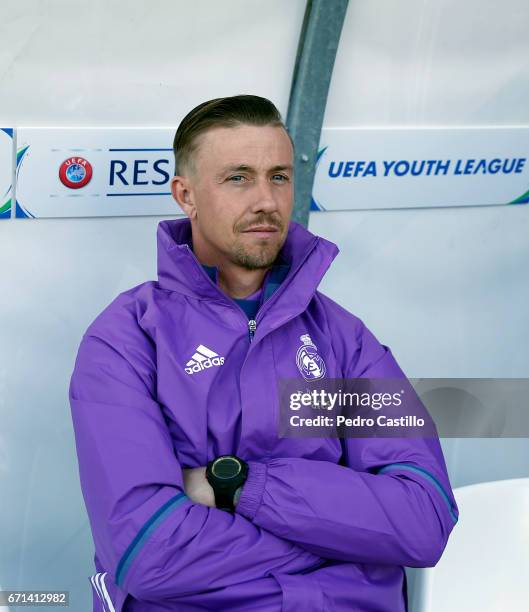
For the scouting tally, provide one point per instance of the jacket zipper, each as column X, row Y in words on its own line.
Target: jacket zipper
column 252, row 323
column 252, row 326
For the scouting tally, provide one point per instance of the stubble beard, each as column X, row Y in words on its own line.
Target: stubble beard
column 259, row 256
column 256, row 259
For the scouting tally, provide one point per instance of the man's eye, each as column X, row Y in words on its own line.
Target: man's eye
column 235, row 178
column 281, row 176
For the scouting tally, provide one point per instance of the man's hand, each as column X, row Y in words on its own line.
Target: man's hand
column 197, row 488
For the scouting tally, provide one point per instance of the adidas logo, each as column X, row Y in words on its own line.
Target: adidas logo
column 203, row 359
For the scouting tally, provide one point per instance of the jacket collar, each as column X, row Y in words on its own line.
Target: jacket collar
column 179, row 270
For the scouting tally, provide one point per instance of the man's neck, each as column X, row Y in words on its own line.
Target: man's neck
column 238, row 283
column 235, row 281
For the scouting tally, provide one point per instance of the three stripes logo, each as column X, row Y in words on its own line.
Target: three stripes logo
column 203, row 359
column 98, row 582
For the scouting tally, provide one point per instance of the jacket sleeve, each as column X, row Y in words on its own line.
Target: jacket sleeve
column 389, row 502
column 153, row 540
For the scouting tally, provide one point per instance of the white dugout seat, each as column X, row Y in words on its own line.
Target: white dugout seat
column 485, row 566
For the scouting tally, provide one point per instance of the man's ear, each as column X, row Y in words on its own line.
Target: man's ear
column 182, row 193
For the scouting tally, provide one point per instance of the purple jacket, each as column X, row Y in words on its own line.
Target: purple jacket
column 322, row 523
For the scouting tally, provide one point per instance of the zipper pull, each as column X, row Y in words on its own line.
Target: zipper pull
column 252, row 326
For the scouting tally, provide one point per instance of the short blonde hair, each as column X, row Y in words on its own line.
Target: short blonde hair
column 220, row 112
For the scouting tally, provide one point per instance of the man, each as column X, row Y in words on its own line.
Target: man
column 194, row 500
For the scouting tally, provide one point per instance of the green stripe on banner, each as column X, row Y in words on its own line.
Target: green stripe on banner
column 5, row 207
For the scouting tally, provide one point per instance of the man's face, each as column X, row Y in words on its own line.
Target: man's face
column 239, row 199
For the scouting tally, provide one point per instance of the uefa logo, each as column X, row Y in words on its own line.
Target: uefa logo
column 75, row 172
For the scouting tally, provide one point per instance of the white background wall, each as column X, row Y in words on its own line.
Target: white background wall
column 446, row 289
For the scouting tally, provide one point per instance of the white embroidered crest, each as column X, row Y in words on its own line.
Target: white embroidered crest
column 309, row 362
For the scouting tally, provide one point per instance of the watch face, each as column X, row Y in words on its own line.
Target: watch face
column 226, row 467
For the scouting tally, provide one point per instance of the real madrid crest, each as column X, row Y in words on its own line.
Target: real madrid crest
column 309, row 362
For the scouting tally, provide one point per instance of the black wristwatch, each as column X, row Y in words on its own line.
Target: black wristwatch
column 226, row 474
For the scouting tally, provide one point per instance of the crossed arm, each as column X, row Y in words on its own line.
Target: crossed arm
column 402, row 516
column 159, row 535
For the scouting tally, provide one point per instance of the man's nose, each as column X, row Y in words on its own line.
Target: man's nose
column 264, row 197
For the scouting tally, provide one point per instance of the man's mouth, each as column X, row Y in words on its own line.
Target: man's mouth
column 262, row 228
column 263, row 231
